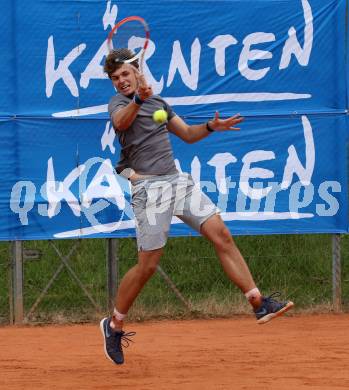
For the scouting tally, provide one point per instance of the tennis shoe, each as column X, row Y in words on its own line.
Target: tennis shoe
column 271, row 308
column 114, row 341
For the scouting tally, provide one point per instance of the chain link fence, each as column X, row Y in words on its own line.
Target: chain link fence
column 67, row 281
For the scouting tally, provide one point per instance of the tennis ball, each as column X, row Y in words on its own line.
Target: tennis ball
column 160, row 116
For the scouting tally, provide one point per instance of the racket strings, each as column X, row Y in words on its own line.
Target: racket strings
column 130, row 35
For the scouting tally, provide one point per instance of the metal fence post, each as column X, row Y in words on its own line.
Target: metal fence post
column 112, row 270
column 17, row 281
column 336, row 273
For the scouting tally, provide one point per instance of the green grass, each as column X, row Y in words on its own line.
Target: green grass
column 299, row 266
column 4, row 282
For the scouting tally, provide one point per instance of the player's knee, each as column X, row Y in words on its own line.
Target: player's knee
column 146, row 271
column 148, row 265
column 223, row 238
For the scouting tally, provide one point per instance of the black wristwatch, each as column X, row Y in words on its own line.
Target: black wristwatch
column 137, row 100
column 209, row 128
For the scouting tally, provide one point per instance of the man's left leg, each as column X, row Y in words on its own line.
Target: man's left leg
column 231, row 259
column 238, row 272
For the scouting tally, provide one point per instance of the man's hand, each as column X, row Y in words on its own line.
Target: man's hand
column 144, row 90
column 225, row 124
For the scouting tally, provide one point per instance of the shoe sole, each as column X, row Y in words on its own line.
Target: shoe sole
column 279, row 313
column 105, row 344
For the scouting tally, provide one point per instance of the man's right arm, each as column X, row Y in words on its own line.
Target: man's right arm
column 123, row 119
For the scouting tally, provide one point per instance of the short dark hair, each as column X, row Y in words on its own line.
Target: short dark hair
column 113, row 60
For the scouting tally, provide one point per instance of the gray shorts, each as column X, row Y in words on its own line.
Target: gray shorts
column 157, row 199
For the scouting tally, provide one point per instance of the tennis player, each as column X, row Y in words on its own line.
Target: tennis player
column 159, row 191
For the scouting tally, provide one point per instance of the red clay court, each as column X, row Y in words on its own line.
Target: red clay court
column 292, row 352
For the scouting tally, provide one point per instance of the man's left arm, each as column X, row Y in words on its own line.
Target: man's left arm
column 195, row 133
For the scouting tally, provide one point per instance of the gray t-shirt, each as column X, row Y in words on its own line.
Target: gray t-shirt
column 145, row 145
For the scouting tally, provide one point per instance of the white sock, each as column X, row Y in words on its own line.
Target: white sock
column 119, row 316
column 253, row 294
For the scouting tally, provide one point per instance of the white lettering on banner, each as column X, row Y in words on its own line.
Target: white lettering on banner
column 300, row 196
column 178, row 64
column 94, row 69
column 103, row 185
column 57, row 191
column 248, row 55
column 292, row 45
column 196, row 169
column 220, row 44
column 190, row 79
column 28, row 200
column 249, row 202
column 91, row 211
column 110, row 15
column 222, row 203
column 220, row 161
column 270, row 200
column 108, row 138
column 328, row 198
column 294, row 166
column 248, row 173
column 62, row 71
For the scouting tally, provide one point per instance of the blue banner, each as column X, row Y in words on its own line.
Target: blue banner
column 281, row 64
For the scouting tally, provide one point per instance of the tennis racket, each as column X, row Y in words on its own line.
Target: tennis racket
column 132, row 33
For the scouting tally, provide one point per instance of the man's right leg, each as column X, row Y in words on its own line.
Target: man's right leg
column 130, row 286
column 152, row 204
column 133, row 282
